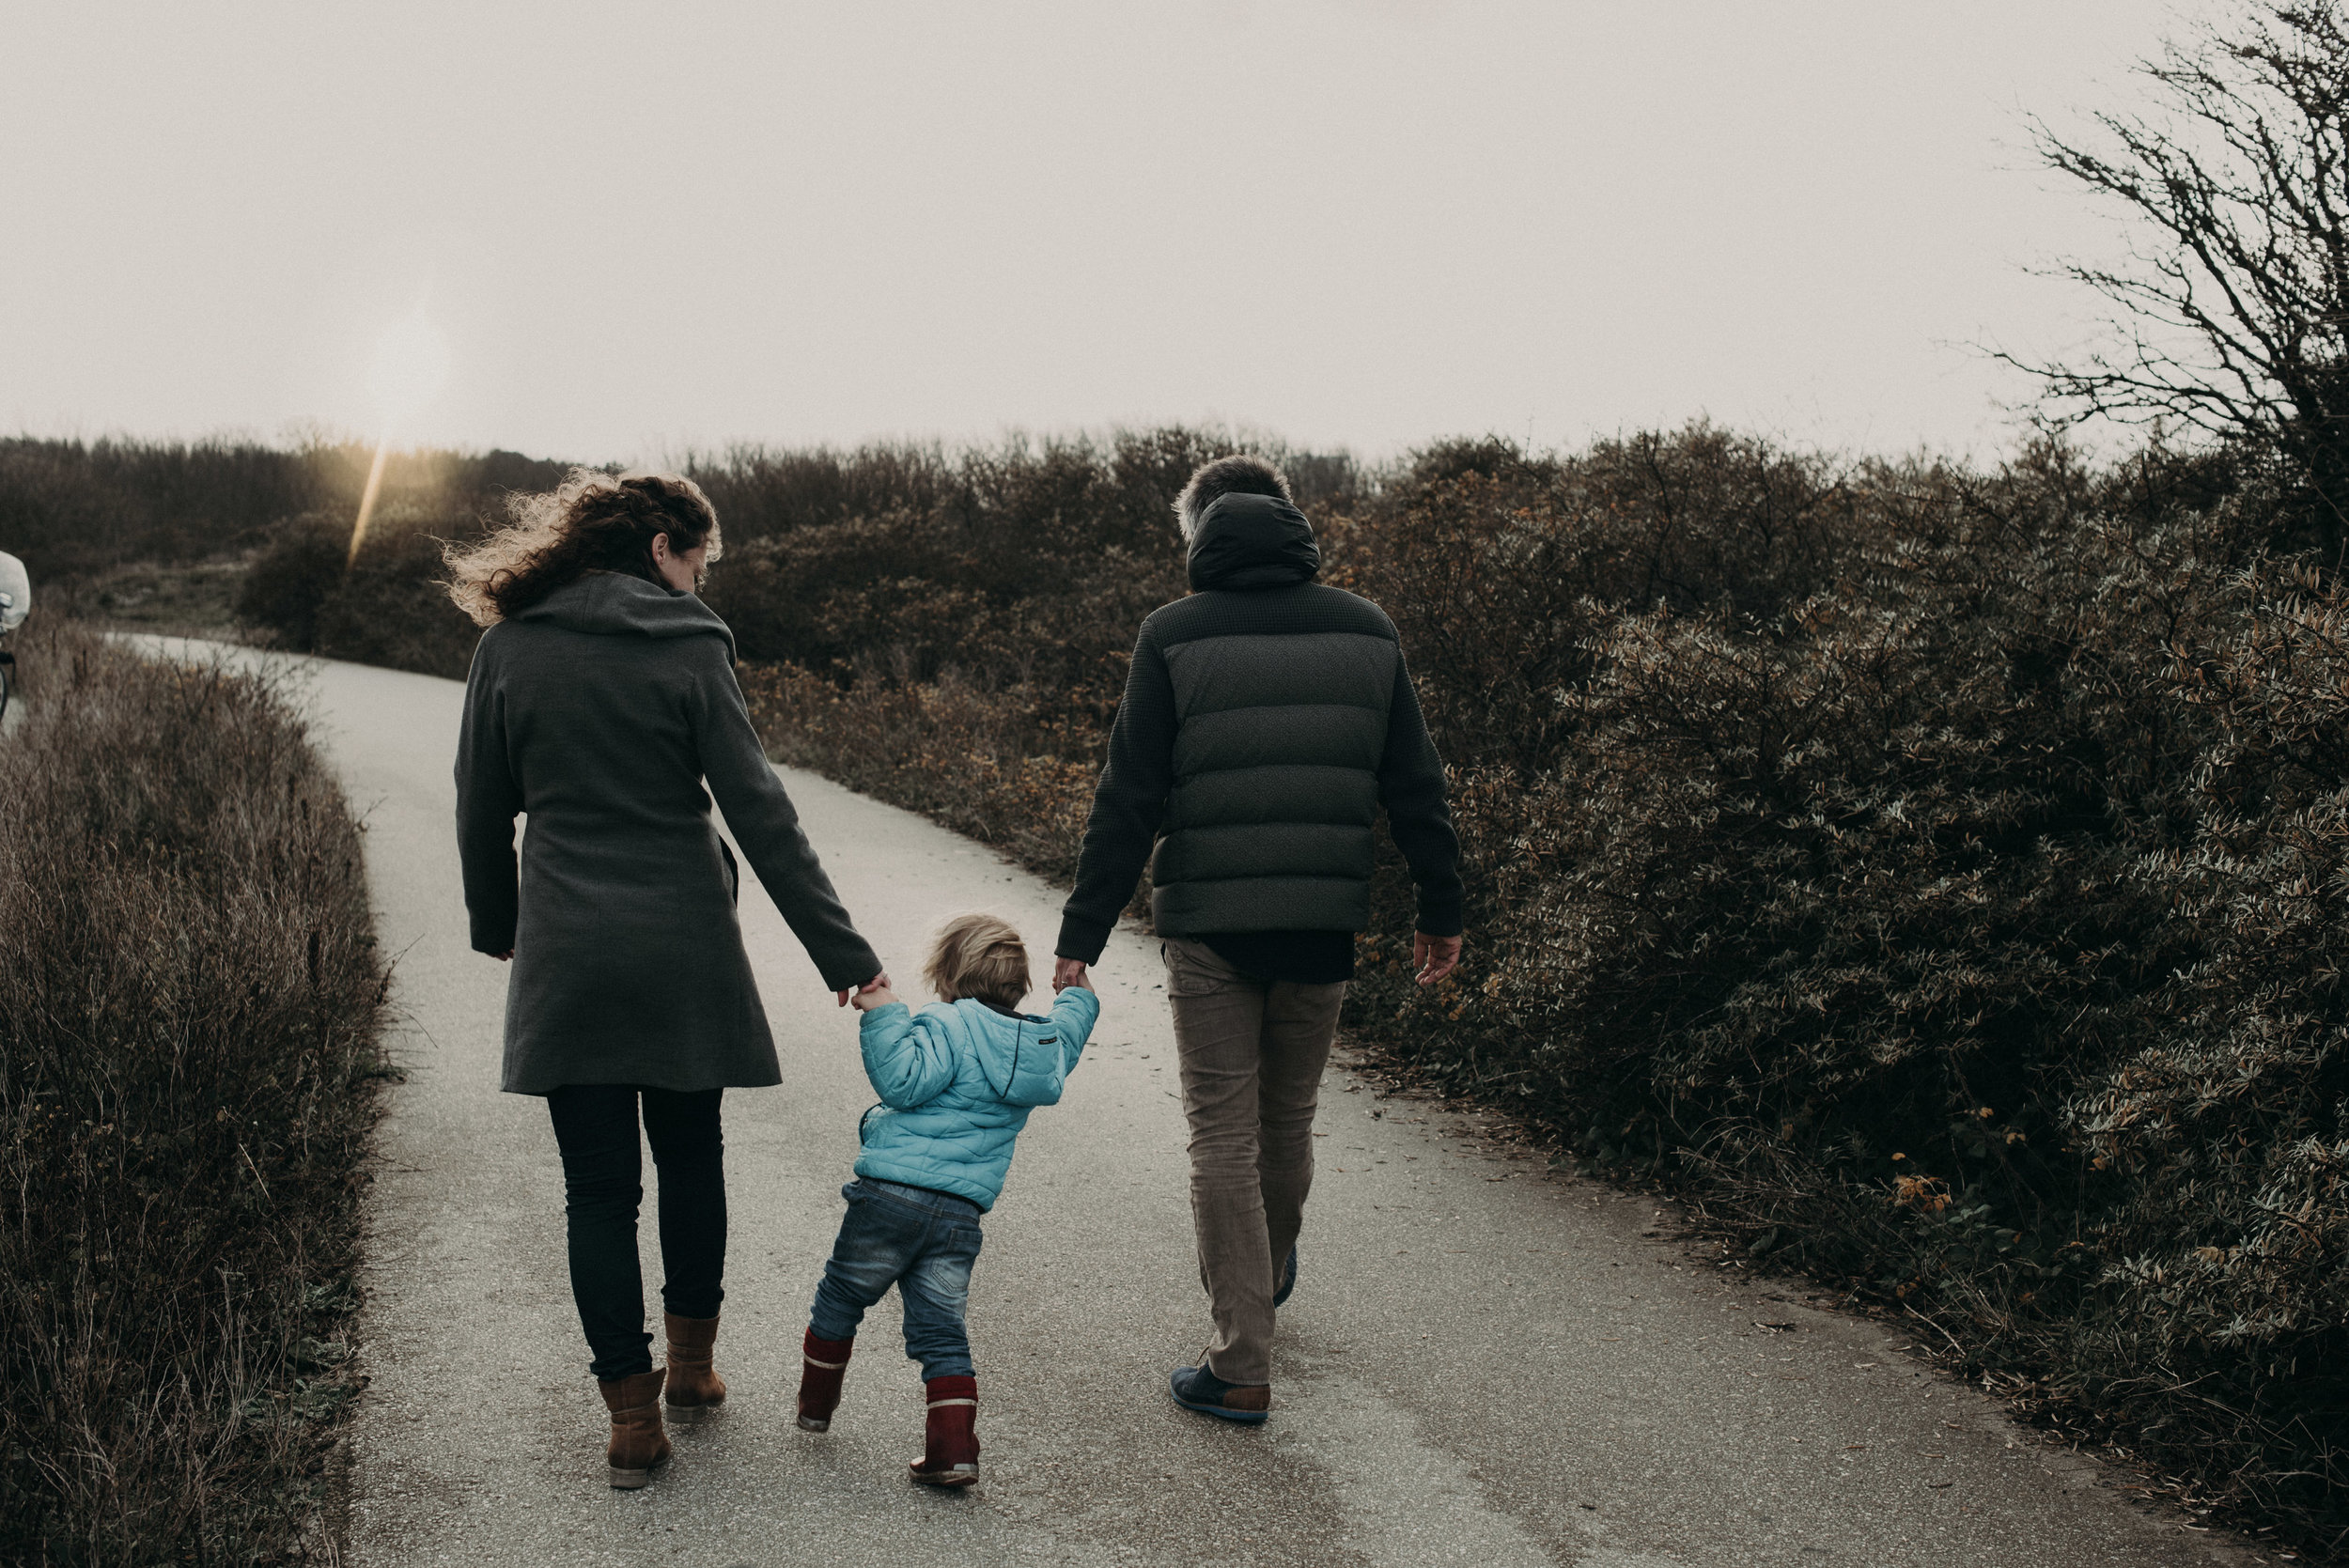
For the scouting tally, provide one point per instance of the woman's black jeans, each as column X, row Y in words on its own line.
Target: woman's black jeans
column 595, row 1125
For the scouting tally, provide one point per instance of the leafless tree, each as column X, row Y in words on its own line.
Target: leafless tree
column 2233, row 298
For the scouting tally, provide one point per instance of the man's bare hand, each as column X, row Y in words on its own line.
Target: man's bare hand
column 879, row 983
column 1434, row 956
column 1068, row 972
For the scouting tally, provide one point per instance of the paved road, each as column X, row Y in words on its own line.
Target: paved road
column 1482, row 1366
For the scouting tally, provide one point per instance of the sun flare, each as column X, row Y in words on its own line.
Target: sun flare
column 410, row 368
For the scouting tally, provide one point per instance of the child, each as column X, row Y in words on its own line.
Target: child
column 957, row 1082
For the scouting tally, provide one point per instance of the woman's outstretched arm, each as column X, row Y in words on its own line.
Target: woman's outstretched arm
column 766, row 825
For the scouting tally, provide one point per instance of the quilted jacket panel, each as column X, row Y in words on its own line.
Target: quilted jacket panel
column 957, row 1082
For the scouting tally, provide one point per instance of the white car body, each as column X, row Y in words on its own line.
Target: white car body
column 16, row 593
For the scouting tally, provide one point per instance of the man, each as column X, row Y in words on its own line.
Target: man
column 1267, row 719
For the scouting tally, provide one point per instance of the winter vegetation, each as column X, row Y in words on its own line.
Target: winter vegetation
column 188, row 1005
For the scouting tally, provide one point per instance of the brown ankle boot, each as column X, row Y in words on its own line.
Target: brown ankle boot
column 824, row 1365
column 953, row 1451
column 694, row 1388
column 638, row 1444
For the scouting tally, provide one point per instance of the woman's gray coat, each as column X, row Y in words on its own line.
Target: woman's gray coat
column 599, row 711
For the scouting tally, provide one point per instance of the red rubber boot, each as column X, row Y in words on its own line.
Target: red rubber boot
column 824, row 1365
column 953, row 1451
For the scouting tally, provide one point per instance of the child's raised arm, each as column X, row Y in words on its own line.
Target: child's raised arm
column 908, row 1059
column 1076, row 1010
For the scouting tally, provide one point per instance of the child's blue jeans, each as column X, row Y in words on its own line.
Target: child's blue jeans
column 924, row 1243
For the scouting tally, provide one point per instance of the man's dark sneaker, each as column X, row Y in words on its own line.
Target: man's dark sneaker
column 1197, row 1389
column 1288, row 1281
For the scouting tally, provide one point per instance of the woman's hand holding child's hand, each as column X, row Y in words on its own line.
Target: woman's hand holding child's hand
column 879, row 982
column 1068, row 972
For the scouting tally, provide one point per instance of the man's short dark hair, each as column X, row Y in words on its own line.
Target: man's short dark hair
column 1241, row 474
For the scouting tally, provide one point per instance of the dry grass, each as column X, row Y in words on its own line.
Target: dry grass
column 188, row 1015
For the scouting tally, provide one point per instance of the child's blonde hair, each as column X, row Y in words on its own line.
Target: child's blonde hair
column 979, row 956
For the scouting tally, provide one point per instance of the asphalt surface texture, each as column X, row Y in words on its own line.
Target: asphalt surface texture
column 1484, row 1363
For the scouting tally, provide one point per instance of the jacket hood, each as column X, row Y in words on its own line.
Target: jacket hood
column 1020, row 1055
column 613, row 602
column 1252, row 541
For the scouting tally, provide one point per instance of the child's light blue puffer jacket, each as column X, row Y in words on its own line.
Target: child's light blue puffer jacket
column 957, row 1082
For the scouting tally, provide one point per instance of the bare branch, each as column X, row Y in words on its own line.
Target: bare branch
column 2231, row 302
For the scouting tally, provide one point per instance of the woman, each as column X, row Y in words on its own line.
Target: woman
column 601, row 696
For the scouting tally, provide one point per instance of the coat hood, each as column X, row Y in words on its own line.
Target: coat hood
column 1252, row 541
column 611, row 602
column 1020, row 1055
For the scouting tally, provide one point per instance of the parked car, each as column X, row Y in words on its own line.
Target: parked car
column 16, row 602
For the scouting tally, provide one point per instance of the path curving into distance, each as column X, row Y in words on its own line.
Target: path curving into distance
column 1481, row 1366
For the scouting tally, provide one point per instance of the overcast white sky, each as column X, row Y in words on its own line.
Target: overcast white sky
column 1352, row 221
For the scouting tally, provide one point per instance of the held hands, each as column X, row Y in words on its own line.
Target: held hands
column 1068, row 972
column 876, row 988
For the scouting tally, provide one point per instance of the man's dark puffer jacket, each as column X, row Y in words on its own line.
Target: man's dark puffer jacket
column 1266, row 719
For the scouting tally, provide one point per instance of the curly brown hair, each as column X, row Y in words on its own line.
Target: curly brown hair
column 594, row 521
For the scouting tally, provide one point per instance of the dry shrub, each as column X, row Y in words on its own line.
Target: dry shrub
column 1024, row 565
column 1944, row 889
column 2225, row 1127
column 72, row 509
column 977, row 761
column 303, row 593
column 188, row 1016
